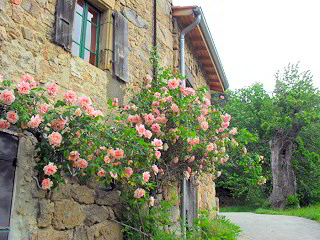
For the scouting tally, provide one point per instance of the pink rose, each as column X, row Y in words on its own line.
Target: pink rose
column 84, row 101
column 222, row 97
column 157, row 143
column 115, row 102
column 12, row 117
column 119, row 153
column 148, row 86
column 155, row 111
column 140, row 129
column 128, row 172
column 55, row 139
column 81, row 163
column 50, row 169
column 201, row 119
column 33, row 84
column 175, row 108
column 164, row 89
column 52, row 89
column 148, row 79
column 233, row 131
column 74, row 155
column 134, row 107
column 130, row 162
column 58, row 124
column 204, row 111
column 70, row 97
column 148, row 134
column 106, row 159
column 156, row 104
column 101, row 173
column 126, row 108
column 157, row 94
column 34, row 121
column 148, row 118
column 225, row 124
column 151, row 201
column 211, row 147
column 46, row 183
column 44, row 108
column 97, row 113
column 138, row 193
column 78, row 112
column 146, row 176
column 113, row 175
column 173, row 83
column 158, row 154
column 7, row 97
column 169, row 99
column 225, row 118
column 155, row 169
column 23, row 87
column 156, row 127
column 4, row 124
column 88, row 109
column 204, row 126
column 27, row 78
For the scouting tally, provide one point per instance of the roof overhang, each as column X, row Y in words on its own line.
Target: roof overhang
column 201, row 40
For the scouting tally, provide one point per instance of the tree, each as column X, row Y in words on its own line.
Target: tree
column 296, row 105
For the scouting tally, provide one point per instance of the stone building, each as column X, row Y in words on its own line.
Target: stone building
column 98, row 48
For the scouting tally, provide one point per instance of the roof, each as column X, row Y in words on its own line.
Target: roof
column 201, row 40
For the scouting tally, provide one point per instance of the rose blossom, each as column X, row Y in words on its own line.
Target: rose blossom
column 88, row 109
column 101, row 173
column 23, row 87
column 233, row 131
column 4, row 124
column 7, row 97
column 204, row 126
column 52, row 89
column 74, row 155
column 151, row 201
column 33, row 84
column 118, row 153
column 211, row 147
column 106, row 159
column 148, row 79
column 70, row 97
column 12, row 117
column 27, row 78
column 222, row 97
column 58, row 124
column 81, row 163
column 97, row 113
column 138, row 193
column 156, row 127
column 35, row 121
column 128, row 172
column 157, row 94
column 50, row 169
column 78, row 112
column 140, row 129
column 126, row 108
column 44, row 108
column 46, row 183
column 115, row 102
column 146, row 176
column 156, row 104
column 226, row 117
column 155, row 169
column 134, row 107
column 84, row 101
column 175, row 160
column 175, row 108
column 173, row 83
column 157, row 143
column 148, row 134
column 148, row 118
column 158, row 154
column 113, row 175
column 155, row 111
column 55, row 139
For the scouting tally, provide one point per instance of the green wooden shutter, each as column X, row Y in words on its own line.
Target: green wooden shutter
column 64, row 23
column 121, row 50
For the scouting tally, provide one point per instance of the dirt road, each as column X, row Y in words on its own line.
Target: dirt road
column 274, row 227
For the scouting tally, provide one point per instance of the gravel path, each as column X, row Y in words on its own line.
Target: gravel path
column 274, row 227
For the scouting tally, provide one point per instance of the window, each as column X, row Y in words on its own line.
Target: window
column 85, row 32
column 8, row 156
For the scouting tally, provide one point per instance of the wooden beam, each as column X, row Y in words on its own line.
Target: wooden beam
column 179, row 12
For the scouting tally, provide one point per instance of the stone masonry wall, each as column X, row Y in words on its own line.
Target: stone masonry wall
column 72, row 212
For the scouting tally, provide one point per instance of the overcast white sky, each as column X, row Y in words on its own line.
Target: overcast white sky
column 255, row 38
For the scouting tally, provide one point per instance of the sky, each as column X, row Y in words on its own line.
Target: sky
column 255, row 38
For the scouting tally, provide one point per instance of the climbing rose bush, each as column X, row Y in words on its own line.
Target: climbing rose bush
column 164, row 133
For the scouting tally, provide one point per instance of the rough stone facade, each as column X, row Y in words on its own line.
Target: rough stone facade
column 26, row 46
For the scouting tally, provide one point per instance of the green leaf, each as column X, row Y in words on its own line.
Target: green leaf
column 60, row 103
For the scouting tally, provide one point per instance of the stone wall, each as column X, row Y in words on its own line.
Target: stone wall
column 72, row 212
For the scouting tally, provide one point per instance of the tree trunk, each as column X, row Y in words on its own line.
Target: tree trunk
column 284, row 179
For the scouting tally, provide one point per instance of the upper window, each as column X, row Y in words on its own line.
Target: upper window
column 85, row 32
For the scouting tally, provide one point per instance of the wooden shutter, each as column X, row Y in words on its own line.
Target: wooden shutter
column 121, row 50
column 64, row 23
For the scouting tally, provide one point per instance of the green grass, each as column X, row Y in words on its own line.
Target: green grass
column 238, row 209
column 310, row 212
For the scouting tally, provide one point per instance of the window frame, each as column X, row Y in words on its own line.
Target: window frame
column 84, row 23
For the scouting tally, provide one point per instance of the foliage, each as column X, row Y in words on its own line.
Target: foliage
column 205, row 227
column 243, row 174
column 311, row 212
